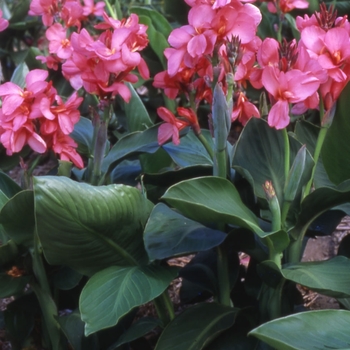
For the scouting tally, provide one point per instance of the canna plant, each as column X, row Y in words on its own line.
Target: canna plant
column 87, row 245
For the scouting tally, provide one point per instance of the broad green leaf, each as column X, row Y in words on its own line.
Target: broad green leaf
column 8, row 251
column 19, row 74
column 157, row 40
column 89, row 228
column 131, row 145
column 8, row 186
column 329, row 277
column 190, row 151
column 73, row 328
column 17, row 218
column 336, row 148
column 194, row 328
column 318, row 202
column 211, row 200
column 113, row 292
column 136, row 113
column 259, row 155
column 317, row 330
column 159, row 21
column 169, row 233
column 20, row 11
column 137, row 330
column 10, row 286
column 83, row 134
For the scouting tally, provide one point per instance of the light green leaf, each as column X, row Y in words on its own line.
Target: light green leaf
column 89, row 228
column 18, row 76
column 113, row 292
column 330, row 277
column 196, row 327
column 316, row 330
column 211, row 200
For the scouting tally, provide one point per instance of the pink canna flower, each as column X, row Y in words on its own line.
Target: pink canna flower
column 90, row 8
column 291, row 87
column 243, row 110
column 59, row 44
column 286, row 6
column 172, row 125
column 46, row 8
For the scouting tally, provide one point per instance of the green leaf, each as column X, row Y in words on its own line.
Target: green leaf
column 159, row 21
column 17, row 218
column 330, row 277
column 137, row 330
column 190, row 151
column 168, row 233
column 259, row 155
column 131, row 145
column 8, row 186
column 73, row 328
column 8, row 252
column 20, row 11
column 89, row 228
column 113, row 292
column 10, row 286
column 336, row 149
column 19, row 75
column 196, row 327
column 157, row 40
column 211, row 200
column 83, row 134
column 317, row 330
column 136, row 113
column 317, row 202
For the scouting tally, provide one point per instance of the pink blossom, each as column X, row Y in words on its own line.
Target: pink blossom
column 4, row 23
column 243, row 109
column 46, row 8
column 90, row 8
column 59, row 44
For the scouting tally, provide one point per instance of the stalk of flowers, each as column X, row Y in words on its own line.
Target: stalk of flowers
column 219, row 40
column 37, row 116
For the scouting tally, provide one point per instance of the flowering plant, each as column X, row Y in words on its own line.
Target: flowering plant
column 146, row 173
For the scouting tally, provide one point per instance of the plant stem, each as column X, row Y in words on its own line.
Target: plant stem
column 206, row 145
column 223, row 276
column 42, row 291
column 115, row 14
column 320, row 139
column 164, row 307
column 286, row 154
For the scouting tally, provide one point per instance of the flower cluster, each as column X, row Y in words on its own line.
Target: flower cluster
column 101, row 64
column 37, row 116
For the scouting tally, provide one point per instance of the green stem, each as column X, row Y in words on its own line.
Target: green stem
column 164, row 307
column 206, row 145
column 220, row 163
column 320, row 139
column 223, row 276
column 115, row 14
column 42, row 290
column 148, row 2
column 286, row 153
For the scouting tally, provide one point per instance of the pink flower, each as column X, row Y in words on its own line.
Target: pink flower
column 90, row 8
column 172, row 125
column 243, row 110
column 59, row 44
column 291, row 87
column 4, row 23
column 46, row 8
column 286, row 6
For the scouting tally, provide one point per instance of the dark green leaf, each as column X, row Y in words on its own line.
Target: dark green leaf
column 89, row 228
column 137, row 330
column 329, row 277
column 10, row 286
column 113, row 292
column 196, row 327
column 8, row 251
column 18, row 76
column 169, row 233
column 318, row 330
column 336, row 148
column 136, row 112
column 211, row 200
column 8, row 186
column 83, row 134
column 17, row 218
